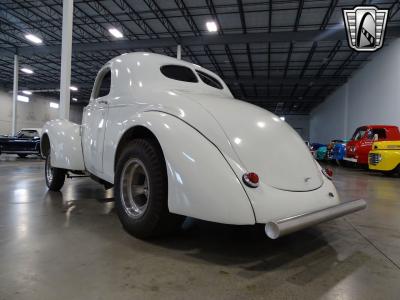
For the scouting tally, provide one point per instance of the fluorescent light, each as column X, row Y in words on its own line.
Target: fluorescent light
column 74, row 99
column 115, row 32
column 22, row 98
column 54, row 105
column 73, row 88
column 211, row 26
column 282, row 118
column 27, row 71
column 27, row 92
column 33, row 38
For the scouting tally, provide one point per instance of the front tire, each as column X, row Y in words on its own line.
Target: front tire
column 395, row 171
column 141, row 190
column 55, row 177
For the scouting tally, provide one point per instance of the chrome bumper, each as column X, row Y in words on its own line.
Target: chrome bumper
column 288, row 225
column 350, row 159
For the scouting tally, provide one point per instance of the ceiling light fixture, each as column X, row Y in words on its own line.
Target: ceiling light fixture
column 27, row 92
column 27, row 71
column 212, row 26
column 54, row 105
column 75, row 99
column 33, row 38
column 116, row 33
column 282, row 118
column 22, row 98
column 73, row 88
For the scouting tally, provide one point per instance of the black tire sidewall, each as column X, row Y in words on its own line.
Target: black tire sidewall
column 157, row 209
column 58, row 177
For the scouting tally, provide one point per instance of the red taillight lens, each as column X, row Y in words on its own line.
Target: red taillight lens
column 328, row 172
column 251, row 179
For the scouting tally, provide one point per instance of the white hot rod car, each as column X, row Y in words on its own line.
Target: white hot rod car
column 173, row 142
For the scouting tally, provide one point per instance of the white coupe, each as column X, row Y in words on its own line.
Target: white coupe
column 173, row 142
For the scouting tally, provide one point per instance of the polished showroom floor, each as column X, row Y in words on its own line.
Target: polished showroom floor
column 70, row 245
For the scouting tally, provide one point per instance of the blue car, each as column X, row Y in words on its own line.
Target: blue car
column 337, row 151
column 25, row 142
column 318, row 151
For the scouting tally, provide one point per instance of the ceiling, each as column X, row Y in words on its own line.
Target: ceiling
column 283, row 55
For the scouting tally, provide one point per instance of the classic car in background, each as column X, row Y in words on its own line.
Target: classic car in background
column 314, row 148
column 360, row 145
column 25, row 142
column 321, row 152
column 177, row 143
column 385, row 157
column 337, row 151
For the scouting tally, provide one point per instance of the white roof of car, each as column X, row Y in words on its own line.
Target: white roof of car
column 142, row 69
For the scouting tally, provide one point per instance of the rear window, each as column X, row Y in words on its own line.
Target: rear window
column 380, row 132
column 209, row 80
column 180, row 73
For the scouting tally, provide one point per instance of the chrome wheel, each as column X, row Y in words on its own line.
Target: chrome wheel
column 135, row 191
column 49, row 170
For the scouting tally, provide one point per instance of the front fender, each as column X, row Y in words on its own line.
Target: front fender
column 201, row 183
column 65, row 144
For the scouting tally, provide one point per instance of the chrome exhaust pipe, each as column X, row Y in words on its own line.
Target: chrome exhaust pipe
column 276, row 229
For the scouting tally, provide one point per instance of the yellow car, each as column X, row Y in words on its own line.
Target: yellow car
column 385, row 157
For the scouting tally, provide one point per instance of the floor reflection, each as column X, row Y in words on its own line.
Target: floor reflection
column 70, row 244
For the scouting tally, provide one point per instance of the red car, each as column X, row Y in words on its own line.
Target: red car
column 358, row 147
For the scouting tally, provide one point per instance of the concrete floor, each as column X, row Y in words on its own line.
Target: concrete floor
column 70, row 245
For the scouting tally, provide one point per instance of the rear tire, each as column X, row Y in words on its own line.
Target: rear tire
column 55, row 177
column 141, row 191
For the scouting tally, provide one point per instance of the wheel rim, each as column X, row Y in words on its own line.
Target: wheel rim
column 49, row 170
column 135, row 190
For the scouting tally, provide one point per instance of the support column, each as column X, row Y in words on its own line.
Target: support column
column 179, row 52
column 346, row 112
column 15, row 96
column 66, row 51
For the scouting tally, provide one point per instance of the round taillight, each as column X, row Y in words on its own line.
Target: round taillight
column 251, row 179
column 328, row 172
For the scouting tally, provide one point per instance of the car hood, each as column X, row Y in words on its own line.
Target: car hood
column 260, row 141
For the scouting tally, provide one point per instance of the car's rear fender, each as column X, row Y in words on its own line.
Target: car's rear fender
column 62, row 139
column 201, row 183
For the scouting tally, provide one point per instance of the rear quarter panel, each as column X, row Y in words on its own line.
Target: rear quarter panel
column 201, row 183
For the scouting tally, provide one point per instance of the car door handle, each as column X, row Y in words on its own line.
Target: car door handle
column 103, row 102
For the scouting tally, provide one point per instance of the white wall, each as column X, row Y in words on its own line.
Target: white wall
column 371, row 96
column 32, row 114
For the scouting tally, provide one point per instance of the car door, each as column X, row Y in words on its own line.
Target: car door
column 20, row 142
column 29, row 140
column 371, row 136
column 95, row 122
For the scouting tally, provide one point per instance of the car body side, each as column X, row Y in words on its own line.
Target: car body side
column 385, row 156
